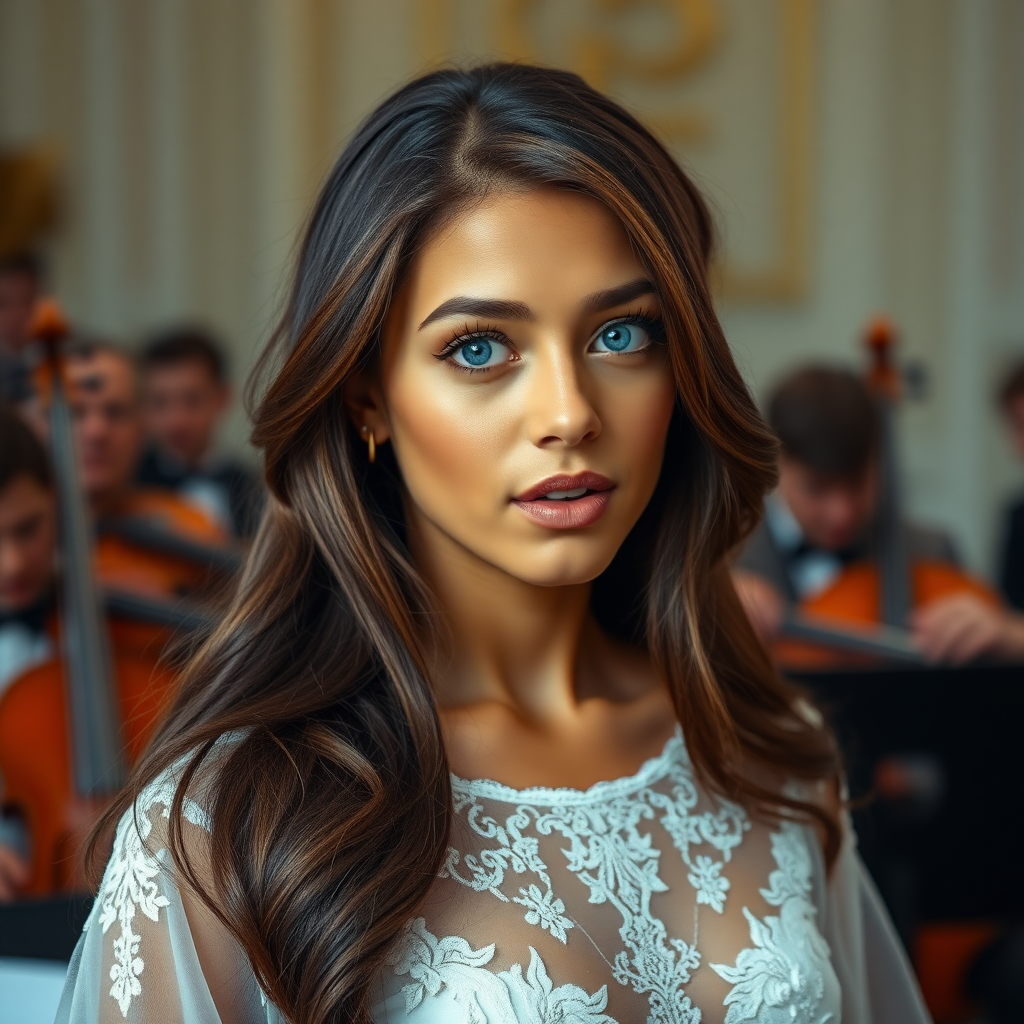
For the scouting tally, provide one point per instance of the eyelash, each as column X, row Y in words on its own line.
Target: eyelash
column 654, row 326
column 464, row 337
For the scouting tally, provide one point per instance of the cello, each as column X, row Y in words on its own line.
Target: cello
column 864, row 612
column 70, row 726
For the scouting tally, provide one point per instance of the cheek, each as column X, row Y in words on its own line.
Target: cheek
column 635, row 421
column 450, row 443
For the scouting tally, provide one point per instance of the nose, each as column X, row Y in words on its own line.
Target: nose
column 841, row 512
column 561, row 411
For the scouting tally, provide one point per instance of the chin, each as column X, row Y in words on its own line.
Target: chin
column 561, row 569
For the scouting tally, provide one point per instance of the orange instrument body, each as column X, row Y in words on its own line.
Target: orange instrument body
column 884, row 591
column 35, row 748
column 127, row 562
column 853, row 600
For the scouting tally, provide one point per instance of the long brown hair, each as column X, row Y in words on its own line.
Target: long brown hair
column 331, row 812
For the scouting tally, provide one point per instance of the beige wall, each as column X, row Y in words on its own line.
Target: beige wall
column 864, row 155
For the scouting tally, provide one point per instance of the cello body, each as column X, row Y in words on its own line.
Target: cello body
column 35, row 749
column 854, row 600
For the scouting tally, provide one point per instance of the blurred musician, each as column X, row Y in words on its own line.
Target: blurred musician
column 103, row 393
column 20, row 281
column 106, row 430
column 27, row 546
column 185, row 395
column 822, row 516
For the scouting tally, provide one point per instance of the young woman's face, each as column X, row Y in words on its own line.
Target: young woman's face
column 526, row 388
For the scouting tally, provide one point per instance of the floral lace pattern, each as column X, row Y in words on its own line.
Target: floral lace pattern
column 131, row 885
column 605, row 839
column 780, row 978
column 435, row 964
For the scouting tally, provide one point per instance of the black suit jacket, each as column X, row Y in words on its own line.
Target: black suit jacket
column 1011, row 567
column 245, row 497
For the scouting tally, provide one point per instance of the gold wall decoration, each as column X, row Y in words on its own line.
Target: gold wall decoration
column 659, row 57
column 28, row 197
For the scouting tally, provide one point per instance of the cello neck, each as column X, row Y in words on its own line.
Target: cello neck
column 895, row 598
column 97, row 761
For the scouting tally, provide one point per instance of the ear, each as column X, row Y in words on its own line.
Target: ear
column 364, row 401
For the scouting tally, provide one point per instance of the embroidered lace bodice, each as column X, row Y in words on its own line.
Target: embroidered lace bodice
column 642, row 899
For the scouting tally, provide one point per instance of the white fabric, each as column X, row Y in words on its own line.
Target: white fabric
column 21, row 648
column 640, row 899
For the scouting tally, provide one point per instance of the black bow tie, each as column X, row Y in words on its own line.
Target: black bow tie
column 32, row 618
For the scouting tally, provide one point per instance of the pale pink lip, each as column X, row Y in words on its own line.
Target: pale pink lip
column 571, row 514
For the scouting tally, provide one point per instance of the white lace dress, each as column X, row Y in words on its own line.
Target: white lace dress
column 639, row 899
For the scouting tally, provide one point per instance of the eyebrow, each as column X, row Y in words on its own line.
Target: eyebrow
column 600, row 301
column 493, row 309
column 509, row 309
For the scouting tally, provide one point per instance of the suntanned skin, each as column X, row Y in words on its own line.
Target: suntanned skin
column 530, row 690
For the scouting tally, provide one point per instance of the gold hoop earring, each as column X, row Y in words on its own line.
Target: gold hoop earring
column 371, row 443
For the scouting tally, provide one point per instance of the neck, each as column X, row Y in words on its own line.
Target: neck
column 530, row 648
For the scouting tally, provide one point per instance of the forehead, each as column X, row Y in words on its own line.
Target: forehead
column 192, row 368
column 532, row 246
column 101, row 375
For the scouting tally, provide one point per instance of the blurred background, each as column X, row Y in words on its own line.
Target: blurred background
column 863, row 157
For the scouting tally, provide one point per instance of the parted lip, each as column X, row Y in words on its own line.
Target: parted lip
column 566, row 482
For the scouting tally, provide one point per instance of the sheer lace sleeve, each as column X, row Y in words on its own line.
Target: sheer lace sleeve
column 148, row 954
column 877, row 981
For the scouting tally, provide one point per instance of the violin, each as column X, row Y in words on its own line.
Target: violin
column 863, row 614
column 71, row 725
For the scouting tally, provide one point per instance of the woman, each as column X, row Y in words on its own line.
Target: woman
column 508, row 450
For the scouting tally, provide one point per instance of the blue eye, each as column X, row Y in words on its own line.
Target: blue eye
column 480, row 353
column 621, row 337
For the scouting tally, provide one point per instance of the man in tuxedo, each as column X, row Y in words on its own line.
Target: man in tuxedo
column 824, row 516
column 185, row 394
